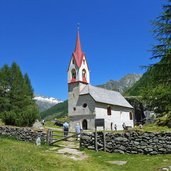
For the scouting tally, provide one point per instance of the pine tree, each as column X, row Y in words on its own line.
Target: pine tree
column 4, row 88
column 17, row 106
column 29, row 88
column 162, row 50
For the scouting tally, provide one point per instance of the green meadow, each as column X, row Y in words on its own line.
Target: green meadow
column 24, row 156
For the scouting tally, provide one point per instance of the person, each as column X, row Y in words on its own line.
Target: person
column 66, row 129
column 43, row 122
column 124, row 126
column 140, row 126
column 77, row 131
column 115, row 126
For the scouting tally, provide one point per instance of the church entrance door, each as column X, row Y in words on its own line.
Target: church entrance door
column 84, row 124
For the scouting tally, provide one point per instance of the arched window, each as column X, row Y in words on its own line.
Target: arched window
column 73, row 73
column 130, row 116
column 84, row 75
column 84, row 124
column 109, row 112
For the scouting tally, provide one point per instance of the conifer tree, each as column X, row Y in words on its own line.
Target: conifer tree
column 17, row 106
column 29, row 88
column 158, row 93
column 162, row 49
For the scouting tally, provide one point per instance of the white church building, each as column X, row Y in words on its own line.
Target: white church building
column 87, row 103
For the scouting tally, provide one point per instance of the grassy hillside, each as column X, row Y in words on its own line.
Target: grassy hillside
column 57, row 111
column 19, row 156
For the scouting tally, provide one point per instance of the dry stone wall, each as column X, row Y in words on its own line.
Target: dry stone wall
column 23, row 134
column 130, row 142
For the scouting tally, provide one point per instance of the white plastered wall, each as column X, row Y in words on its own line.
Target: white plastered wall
column 119, row 115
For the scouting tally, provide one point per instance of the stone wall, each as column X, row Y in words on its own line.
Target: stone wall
column 23, row 134
column 131, row 142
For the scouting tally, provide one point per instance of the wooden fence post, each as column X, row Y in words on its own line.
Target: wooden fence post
column 49, row 136
column 104, row 139
column 96, row 147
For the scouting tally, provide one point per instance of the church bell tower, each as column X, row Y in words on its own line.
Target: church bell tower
column 78, row 76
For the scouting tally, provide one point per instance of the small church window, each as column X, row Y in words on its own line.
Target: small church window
column 84, row 61
column 130, row 116
column 74, row 108
column 109, row 112
column 84, row 105
column 84, row 75
column 73, row 72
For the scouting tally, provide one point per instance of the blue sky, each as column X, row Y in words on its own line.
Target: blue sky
column 40, row 36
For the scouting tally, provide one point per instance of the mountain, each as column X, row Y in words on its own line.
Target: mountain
column 45, row 103
column 123, row 84
column 58, row 110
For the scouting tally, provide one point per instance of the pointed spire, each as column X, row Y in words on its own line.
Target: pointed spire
column 78, row 43
column 78, row 53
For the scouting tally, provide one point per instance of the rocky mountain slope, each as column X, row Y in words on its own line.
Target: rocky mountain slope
column 123, row 84
column 45, row 103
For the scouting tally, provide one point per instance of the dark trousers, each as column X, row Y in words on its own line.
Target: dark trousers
column 66, row 132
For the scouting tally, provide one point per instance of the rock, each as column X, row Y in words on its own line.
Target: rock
column 37, row 125
column 117, row 162
column 121, row 139
column 153, row 153
column 162, row 149
column 148, row 149
column 122, row 148
column 85, row 137
column 134, row 152
column 119, row 151
column 164, row 169
column 91, row 147
column 136, row 143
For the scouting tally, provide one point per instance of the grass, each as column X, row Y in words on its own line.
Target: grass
column 1, row 123
column 22, row 156
column 50, row 124
column 153, row 128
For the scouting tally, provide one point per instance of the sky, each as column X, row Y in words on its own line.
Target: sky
column 40, row 35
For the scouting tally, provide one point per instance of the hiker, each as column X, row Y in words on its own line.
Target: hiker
column 115, row 126
column 66, row 129
column 77, row 131
column 124, row 126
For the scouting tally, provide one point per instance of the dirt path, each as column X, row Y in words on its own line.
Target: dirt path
column 70, row 149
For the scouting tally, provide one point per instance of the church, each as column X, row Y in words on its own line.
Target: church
column 87, row 103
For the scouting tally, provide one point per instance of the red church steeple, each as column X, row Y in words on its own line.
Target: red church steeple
column 78, row 70
column 78, row 53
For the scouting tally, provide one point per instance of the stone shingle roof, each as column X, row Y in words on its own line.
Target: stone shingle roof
column 106, row 96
